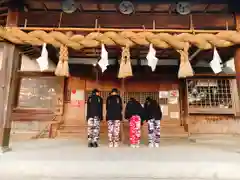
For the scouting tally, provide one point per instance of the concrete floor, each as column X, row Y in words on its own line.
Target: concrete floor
column 68, row 159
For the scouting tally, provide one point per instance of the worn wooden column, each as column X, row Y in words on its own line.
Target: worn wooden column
column 10, row 63
column 10, row 59
column 237, row 62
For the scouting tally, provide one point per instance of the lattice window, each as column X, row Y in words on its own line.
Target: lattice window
column 141, row 97
column 209, row 93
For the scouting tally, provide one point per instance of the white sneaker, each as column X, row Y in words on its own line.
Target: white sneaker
column 133, row 146
column 116, row 145
column 150, row 145
column 110, row 145
column 157, row 145
column 137, row 146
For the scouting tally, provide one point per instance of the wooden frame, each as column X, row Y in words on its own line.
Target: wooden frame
column 116, row 20
column 215, row 111
column 42, row 114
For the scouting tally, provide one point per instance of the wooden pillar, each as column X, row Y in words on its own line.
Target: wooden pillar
column 237, row 69
column 9, row 65
column 8, row 78
column 237, row 63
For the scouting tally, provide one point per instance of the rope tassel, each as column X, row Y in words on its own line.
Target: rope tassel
column 125, row 69
column 185, row 68
column 62, row 68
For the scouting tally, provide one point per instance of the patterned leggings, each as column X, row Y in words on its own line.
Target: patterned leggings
column 135, row 130
column 153, row 131
column 93, row 129
column 113, row 131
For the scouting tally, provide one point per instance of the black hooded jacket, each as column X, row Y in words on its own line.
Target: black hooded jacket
column 152, row 110
column 114, row 107
column 95, row 107
column 133, row 107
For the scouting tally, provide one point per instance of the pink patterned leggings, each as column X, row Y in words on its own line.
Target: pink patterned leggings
column 135, row 130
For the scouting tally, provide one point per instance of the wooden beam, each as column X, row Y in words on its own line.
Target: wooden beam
column 3, row 8
column 12, row 18
column 44, row 6
column 116, row 20
column 141, row 1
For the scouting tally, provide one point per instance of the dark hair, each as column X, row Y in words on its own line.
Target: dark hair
column 95, row 91
column 114, row 90
column 148, row 98
column 132, row 99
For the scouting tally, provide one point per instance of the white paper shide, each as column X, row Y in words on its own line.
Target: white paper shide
column 215, row 64
column 43, row 59
column 151, row 58
column 103, row 62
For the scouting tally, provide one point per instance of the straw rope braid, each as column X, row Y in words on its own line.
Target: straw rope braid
column 180, row 42
column 62, row 68
column 124, row 38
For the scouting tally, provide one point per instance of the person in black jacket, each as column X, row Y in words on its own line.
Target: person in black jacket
column 114, row 117
column 94, row 116
column 134, row 112
column 153, row 115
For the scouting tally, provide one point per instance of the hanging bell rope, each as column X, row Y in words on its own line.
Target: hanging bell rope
column 125, row 69
column 62, row 68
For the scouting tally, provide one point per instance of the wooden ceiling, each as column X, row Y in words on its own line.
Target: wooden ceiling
column 112, row 6
column 3, row 13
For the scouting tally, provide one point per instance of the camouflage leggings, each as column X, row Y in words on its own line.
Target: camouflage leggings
column 113, row 131
column 153, row 131
column 93, row 129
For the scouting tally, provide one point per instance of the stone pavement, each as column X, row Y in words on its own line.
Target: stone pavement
column 68, row 159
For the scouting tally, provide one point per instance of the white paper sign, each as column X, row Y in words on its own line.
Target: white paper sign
column 164, row 109
column 173, row 100
column 173, row 93
column 163, row 94
column 77, row 95
column 174, row 115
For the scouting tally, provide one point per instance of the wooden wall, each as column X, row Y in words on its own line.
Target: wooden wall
column 217, row 122
column 76, row 115
column 214, row 124
column 73, row 115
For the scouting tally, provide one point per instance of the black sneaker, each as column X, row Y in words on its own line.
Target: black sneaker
column 90, row 144
column 95, row 144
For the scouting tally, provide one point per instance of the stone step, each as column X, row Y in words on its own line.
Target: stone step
column 169, row 128
column 82, row 132
column 104, row 139
column 73, row 122
column 126, row 129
